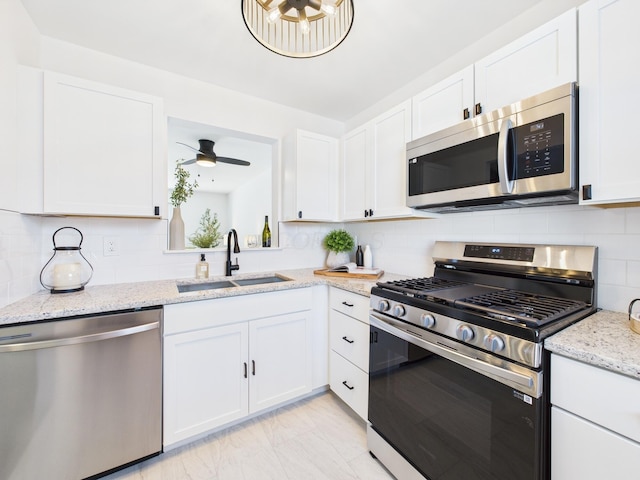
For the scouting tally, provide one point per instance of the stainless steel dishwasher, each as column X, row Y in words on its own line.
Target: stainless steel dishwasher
column 80, row 396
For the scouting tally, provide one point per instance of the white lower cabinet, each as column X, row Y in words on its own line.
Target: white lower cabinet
column 349, row 344
column 595, row 423
column 222, row 361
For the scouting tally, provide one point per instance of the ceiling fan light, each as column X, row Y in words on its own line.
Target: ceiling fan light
column 205, row 161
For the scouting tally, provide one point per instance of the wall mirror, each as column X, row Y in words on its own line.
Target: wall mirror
column 240, row 196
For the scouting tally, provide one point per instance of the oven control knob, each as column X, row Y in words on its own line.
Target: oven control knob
column 427, row 320
column 383, row 305
column 465, row 333
column 399, row 310
column 493, row 342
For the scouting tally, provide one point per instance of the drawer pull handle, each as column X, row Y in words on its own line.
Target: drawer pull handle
column 253, row 367
column 347, row 385
column 245, row 369
column 347, row 340
column 347, row 304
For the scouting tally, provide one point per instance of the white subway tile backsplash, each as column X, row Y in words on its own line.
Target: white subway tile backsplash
column 402, row 246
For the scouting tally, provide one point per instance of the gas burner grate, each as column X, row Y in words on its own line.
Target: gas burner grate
column 524, row 307
column 418, row 287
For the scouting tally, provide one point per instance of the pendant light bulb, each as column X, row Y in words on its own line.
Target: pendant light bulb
column 328, row 9
column 303, row 21
column 273, row 15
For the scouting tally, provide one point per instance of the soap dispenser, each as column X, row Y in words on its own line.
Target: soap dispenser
column 202, row 268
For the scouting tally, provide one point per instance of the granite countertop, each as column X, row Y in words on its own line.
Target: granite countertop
column 106, row 298
column 603, row 339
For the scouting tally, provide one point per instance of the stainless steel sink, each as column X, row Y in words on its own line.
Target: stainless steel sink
column 195, row 287
column 260, row 280
column 240, row 282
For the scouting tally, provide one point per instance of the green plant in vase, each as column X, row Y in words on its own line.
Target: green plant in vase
column 207, row 235
column 339, row 243
column 182, row 190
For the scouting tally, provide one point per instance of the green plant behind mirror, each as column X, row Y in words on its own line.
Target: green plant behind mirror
column 207, row 235
column 182, row 189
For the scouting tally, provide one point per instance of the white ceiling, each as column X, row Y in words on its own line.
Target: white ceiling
column 391, row 43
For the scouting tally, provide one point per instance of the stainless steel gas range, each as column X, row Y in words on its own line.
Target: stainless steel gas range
column 458, row 377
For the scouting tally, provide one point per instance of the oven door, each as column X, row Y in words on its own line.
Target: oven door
column 453, row 412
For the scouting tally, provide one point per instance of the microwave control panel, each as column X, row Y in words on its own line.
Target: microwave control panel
column 540, row 147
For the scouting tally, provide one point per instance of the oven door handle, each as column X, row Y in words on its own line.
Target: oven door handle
column 527, row 383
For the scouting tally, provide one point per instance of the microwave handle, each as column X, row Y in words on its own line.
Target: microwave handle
column 506, row 184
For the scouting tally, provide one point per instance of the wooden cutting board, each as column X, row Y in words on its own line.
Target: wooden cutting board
column 368, row 276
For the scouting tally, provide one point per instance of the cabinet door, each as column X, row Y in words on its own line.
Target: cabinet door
column 355, row 154
column 390, row 134
column 446, row 103
column 582, row 450
column 310, row 184
column 538, row 61
column 280, row 359
column 204, row 380
column 103, row 149
column 609, row 101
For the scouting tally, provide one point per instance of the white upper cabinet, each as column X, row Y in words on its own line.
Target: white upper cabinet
column 374, row 168
column 446, row 103
column 356, row 154
column 542, row 59
column 103, row 148
column 310, row 172
column 609, row 101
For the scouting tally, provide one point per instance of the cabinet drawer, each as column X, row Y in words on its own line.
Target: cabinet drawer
column 349, row 303
column 582, row 450
column 350, row 383
column 350, row 338
column 603, row 397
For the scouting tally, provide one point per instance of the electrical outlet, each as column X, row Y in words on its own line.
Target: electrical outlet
column 111, row 246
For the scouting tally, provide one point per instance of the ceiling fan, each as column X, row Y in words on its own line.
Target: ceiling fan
column 206, row 157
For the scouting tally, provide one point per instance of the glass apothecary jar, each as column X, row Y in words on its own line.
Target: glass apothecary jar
column 67, row 270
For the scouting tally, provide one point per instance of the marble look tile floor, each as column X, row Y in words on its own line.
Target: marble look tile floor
column 318, row 438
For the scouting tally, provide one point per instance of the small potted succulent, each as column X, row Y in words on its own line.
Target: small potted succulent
column 339, row 243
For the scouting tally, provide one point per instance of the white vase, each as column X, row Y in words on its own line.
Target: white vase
column 337, row 258
column 176, row 230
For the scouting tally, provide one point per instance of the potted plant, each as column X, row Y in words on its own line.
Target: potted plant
column 339, row 243
column 207, row 235
column 180, row 193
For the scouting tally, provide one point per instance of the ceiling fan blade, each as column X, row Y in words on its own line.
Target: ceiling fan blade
column 234, row 161
column 188, row 162
column 189, row 146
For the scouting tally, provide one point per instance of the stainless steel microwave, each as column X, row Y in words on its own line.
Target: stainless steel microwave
column 520, row 155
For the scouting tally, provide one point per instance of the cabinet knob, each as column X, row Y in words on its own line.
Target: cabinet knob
column 465, row 114
column 156, row 210
column 586, row 192
column 366, row 213
column 478, row 109
column 299, row 213
column 370, row 213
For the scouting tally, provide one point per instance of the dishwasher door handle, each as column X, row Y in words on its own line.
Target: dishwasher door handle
column 92, row 337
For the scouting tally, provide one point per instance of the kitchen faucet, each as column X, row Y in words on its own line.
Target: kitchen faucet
column 236, row 249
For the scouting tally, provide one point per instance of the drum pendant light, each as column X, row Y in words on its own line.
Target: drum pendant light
column 298, row 28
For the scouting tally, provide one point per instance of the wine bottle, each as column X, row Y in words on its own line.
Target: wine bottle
column 359, row 257
column 266, row 233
